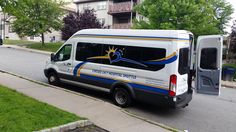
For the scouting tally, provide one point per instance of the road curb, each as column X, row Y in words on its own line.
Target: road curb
column 68, row 127
column 27, row 49
column 152, row 122
column 228, row 86
column 122, row 110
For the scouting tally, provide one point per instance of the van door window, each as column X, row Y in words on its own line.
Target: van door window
column 208, row 58
column 183, row 61
column 64, row 53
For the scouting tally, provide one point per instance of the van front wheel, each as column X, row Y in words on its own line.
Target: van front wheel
column 121, row 97
column 53, row 79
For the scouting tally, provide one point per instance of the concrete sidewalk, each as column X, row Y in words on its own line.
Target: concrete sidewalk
column 103, row 114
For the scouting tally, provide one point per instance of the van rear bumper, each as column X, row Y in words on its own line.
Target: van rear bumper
column 181, row 100
column 164, row 100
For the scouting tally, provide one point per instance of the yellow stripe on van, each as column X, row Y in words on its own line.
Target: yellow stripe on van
column 168, row 57
column 131, row 38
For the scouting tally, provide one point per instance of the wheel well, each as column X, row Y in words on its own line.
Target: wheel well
column 125, row 86
column 51, row 71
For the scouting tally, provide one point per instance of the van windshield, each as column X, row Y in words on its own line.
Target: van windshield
column 183, row 61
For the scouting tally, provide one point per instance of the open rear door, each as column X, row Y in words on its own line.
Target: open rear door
column 208, row 64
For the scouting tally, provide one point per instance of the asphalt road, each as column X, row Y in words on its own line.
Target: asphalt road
column 204, row 114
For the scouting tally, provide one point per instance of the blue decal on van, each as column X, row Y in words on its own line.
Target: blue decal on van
column 134, row 85
column 161, row 62
column 115, row 55
column 78, row 68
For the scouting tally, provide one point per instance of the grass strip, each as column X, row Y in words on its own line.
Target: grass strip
column 20, row 113
column 18, row 42
column 52, row 47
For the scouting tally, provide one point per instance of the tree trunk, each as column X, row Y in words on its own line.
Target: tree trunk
column 42, row 37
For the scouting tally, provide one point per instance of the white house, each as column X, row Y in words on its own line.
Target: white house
column 116, row 14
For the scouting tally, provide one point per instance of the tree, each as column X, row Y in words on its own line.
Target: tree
column 7, row 5
column 233, row 38
column 201, row 17
column 34, row 17
column 78, row 21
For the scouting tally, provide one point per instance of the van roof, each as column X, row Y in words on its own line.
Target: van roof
column 173, row 34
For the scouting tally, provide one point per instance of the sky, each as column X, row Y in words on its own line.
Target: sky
column 233, row 2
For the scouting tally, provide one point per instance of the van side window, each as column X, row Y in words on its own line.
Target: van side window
column 153, row 54
column 87, row 50
column 109, row 50
column 64, row 53
column 118, row 55
column 183, row 61
column 133, row 57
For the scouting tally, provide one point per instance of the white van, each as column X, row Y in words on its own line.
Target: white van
column 146, row 65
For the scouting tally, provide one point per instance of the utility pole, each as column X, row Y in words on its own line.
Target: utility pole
column 1, row 23
column 4, row 23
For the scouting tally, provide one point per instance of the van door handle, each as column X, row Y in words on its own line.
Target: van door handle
column 68, row 64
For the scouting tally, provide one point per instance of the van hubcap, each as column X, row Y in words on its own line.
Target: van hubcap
column 121, row 97
column 52, row 78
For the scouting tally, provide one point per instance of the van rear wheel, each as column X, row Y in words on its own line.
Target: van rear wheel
column 53, row 79
column 122, row 97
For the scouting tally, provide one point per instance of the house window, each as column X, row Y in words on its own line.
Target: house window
column 86, row 6
column 10, row 28
column 102, row 5
column 102, row 20
column 31, row 37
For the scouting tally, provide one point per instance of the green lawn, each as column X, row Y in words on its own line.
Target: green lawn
column 52, row 47
column 19, row 113
column 230, row 65
column 17, row 42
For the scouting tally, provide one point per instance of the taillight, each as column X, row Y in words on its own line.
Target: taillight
column 173, row 84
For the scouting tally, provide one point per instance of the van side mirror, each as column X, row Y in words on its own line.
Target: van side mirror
column 52, row 57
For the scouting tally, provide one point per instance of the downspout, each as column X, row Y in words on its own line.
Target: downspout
column 131, row 17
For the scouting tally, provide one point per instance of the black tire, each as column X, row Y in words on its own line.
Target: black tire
column 53, row 79
column 122, row 97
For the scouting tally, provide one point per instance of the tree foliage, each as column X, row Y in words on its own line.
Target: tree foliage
column 7, row 5
column 34, row 17
column 233, row 38
column 198, row 16
column 74, row 22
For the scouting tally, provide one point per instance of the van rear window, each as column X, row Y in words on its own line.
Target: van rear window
column 183, row 61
